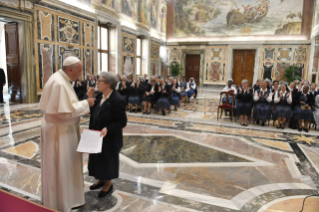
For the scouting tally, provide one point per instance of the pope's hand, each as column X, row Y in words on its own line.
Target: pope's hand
column 91, row 101
column 90, row 92
column 103, row 132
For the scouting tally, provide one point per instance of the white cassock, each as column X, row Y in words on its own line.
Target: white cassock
column 61, row 165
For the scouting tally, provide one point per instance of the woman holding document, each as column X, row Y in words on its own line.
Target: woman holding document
column 108, row 116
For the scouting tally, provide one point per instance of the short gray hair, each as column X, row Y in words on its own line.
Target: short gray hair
column 245, row 81
column 110, row 78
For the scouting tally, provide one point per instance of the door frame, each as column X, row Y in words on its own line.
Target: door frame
column 258, row 55
column 27, row 65
column 200, row 52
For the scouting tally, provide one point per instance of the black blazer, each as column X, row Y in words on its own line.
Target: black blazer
column 111, row 114
column 168, row 89
column 245, row 97
column 126, row 90
column 310, row 99
column 2, row 77
column 137, row 91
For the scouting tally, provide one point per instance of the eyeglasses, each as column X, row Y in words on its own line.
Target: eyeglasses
column 101, row 80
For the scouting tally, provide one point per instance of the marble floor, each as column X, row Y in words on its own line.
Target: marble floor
column 186, row 161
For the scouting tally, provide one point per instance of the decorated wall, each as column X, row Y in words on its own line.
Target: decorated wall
column 17, row 4
column 59, row 35
column 276, row 58
column 216, row 64
column 155, row 59
column 128, row 54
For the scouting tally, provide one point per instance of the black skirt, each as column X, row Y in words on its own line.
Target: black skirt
column 262, row 111
column 104, row 169
column 281, row 111
column 243, row 108
column 150, row 99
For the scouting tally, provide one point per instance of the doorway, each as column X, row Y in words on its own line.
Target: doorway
column 192, row 67
column 243, row 66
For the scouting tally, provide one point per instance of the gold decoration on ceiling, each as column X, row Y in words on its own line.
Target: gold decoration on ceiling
column 246, row 30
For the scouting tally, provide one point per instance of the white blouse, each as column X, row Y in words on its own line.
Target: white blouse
column 269, row 97
column 277, row 99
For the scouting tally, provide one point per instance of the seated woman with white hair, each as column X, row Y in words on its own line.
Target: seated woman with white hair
column 303, row 108
column 123, row 88
column 229, row 87
column 282, row 108
column 263, row 99
column 244, row 102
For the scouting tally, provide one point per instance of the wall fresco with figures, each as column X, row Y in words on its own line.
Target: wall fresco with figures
column 276, row 58
column 128, row 54
column 58, row 36
column 236, row 17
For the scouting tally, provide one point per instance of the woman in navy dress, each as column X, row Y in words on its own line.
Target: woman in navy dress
column 263, row 99
column 244, row 102
column 192, row 88
column 150, row 95
column 176, row 94
column 184, row 89
column 303, row 108
column 136, row 94
column 163, row 102
column 282, row 108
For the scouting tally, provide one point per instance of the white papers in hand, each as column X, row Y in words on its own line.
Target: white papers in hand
column 91, row 142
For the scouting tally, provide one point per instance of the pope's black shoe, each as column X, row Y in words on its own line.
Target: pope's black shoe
column 105, row 193
column 96, row 186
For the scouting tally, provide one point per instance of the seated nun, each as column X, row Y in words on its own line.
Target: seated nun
column 136, row 94
column 293, row 91
column 282, row 108
column 274, row 89
column 124, row 88
column 150, row 95
column 229, row 87
column 303, row 108
column 316, row 108
column 176, row 91
column 192, row 88
column 184, row 88
column 163, row 102
column 314, row 90
column 244, row 102
column 262, row 99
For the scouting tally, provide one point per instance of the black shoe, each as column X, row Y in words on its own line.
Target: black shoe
column 283, row 127
column 96, row 186
column 148, row 113
column 163, row 112
column 144, row 112
column 299, row 129
column 257, row 122
column 306, row 130
column 245, row 125
column 278, row 127
column 77, row 207
column 105, row 193
column 263, row 124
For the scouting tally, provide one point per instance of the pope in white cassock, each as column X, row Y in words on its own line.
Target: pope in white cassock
column 61, row 165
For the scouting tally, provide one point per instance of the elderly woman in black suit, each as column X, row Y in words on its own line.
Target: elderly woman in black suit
column 136, row 94
column 150, row 95
column 163, row 102
column 107, row 115
column 124, row 88
column 244, row 102
column 303, row 108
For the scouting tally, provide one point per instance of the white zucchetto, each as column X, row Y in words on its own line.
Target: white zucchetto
column 70, row 61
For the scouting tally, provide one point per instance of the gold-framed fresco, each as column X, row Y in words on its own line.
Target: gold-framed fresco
column 275, row 59
column 59, row 35
column 215, row 70
column 155, row 59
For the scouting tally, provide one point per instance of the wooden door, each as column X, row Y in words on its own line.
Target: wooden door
column 192, row 67
column 243, row 66
column 13, row 62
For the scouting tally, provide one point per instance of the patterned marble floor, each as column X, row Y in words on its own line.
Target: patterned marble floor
column 187, row 161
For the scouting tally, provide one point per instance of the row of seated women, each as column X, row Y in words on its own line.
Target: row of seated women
column 283, row 103
column 156, row 92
